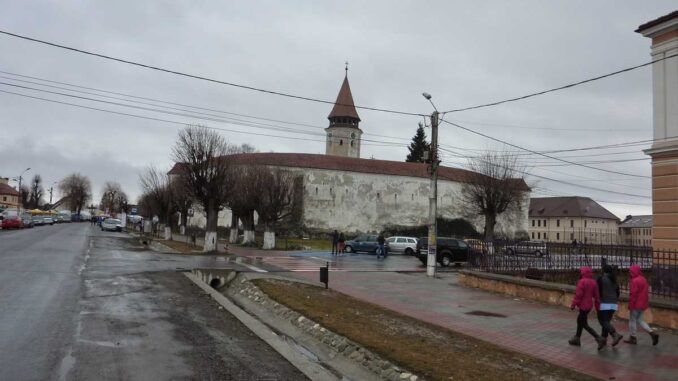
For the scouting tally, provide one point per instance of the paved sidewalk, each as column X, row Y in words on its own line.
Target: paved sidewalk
column 533, row 328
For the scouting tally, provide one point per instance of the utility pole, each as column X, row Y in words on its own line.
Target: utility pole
column 20, row 203
column 433, row 200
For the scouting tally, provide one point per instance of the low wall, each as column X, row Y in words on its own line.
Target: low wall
column 661, row 313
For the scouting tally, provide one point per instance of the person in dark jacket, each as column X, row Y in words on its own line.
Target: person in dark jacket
column 381, row 251
column 341, row 243
column 638, row 303
column 609, row 300
column 335, row 242
column 586, row 297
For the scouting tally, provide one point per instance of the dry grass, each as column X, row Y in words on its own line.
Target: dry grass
column 428, row 350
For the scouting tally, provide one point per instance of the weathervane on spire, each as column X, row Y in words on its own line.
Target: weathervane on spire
column 346, row 67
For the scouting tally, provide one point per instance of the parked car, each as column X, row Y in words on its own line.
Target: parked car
column 406, row 245
column 38, row 220
column 448, row 251
column 537, row 248
column 111, row 224
column 47, row 220
column 27, row 220
column 365, row 242
column 11, row 220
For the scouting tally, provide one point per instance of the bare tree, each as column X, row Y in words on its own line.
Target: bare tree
column 205, row 173
column 24, row 197
column 181, row 199
column 36, row 192
column 158, row 195
column 78, row 189
column 247, row 197
column 496, row 185
column 277, row 191
column 113, row 198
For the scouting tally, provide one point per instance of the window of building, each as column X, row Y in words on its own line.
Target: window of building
column 316, row 191
column 538, row 235
column 544, row 223
column 539, row 223
column 557, row 223
column 572, row 224
column 341, row 142
column 585, row 223
column 351, row 143
column 378, row 195
column 532, row 235
column 557, row 236
column 532, row 223
column 546, row 236
column 4, row 198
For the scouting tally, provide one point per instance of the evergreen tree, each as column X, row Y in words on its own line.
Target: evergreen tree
column 418, row 146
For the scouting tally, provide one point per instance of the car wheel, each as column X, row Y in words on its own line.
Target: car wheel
column 348, row 249
column 409, row 251
column 446, row 260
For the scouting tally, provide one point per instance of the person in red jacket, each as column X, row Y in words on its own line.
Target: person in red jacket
column 638, row 303
column 586, row 297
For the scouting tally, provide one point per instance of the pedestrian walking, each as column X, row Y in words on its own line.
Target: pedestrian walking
column 638, row 303
column 381, row 251
column 609, row 299
column 586, row 297
column 341, row 243
column 335, row 242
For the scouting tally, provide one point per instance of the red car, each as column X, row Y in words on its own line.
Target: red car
column 11, row 221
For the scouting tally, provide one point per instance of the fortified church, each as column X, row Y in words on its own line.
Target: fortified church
column 342, row 191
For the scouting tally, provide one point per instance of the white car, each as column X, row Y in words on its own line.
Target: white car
column 111, row 224
column 398, row 244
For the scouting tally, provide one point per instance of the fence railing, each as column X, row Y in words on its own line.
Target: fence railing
column 559, row 263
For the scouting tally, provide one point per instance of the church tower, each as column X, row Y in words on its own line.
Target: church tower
column 343, row 133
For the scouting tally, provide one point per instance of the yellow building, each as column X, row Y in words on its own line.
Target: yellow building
column 636, row 231
column 9, row 197
column 564, row 219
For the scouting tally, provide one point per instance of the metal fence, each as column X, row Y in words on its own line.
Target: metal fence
column 560, row 263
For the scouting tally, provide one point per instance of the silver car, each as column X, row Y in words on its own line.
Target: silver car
column 111, row 224
column 398, row 244
column 537, row 248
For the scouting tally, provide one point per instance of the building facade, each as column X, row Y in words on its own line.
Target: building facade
column 9, row 197
column 564, row 219
column 636, row 231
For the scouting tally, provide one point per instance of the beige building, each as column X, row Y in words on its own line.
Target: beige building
column 564, row 219
column 636, row 231
column 664, row 151
column 9, row 197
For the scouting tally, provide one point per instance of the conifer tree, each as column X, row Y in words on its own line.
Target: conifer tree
column 418, row 146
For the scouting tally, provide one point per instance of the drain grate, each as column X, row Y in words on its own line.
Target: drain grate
column 485, row 313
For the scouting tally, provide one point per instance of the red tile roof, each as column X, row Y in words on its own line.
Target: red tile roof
column 6, row 189
column 344, row 105
column 568, row 207
column 341, row 163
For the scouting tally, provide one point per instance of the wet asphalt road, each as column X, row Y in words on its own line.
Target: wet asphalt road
column 80, row 304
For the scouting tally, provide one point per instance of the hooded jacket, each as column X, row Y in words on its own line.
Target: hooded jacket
column 608, row 287
column 638, row 290
column 587, row 295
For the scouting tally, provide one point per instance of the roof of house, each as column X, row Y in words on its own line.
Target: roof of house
column 657, row 21
column 568, row 207
column 6, row 189
column 344, row 105
column 350, row 164
column 644, row 221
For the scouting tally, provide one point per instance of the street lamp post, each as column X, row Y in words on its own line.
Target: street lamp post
column 20, row 177
column 51, row 189
column 433, row 197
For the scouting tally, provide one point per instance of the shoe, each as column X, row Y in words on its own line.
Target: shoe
column 602, row 342
column 631, row 340
column 574, row 341
column 655, row 338
column 616, row 338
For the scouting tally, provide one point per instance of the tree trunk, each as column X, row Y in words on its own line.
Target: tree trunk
column 211, row 227
column 248, row 227
column 233, row 237
column 168, row 233
column 490, row 222
column 269, row 238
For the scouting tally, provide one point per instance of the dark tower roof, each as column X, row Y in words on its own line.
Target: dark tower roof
column 344, row 106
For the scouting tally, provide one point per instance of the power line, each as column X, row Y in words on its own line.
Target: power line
column 193, row 76
column 560, row 87
column 545, row 128
column 538, row 153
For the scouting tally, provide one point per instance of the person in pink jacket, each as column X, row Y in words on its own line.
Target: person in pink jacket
column 586, row 297
column 638, row 303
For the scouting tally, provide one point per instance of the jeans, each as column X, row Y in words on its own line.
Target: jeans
column 381, row 251
column 605, row 320
column 582, row 323
column 636, row 317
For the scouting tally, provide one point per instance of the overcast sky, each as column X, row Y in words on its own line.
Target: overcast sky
column 463, row 53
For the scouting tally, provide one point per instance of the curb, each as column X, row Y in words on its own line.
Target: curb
column 311, row 369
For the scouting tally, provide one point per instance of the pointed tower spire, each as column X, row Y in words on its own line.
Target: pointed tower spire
column 343, row 133
column 344, row 106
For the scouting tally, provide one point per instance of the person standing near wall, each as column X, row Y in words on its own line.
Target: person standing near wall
column 381, row 250
column 335, row 242
column 609, row 299
column 586, row 297
column 638, row 303
column 341, row 243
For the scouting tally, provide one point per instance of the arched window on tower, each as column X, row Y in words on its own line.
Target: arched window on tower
column 341, row 142
column 351, row 143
